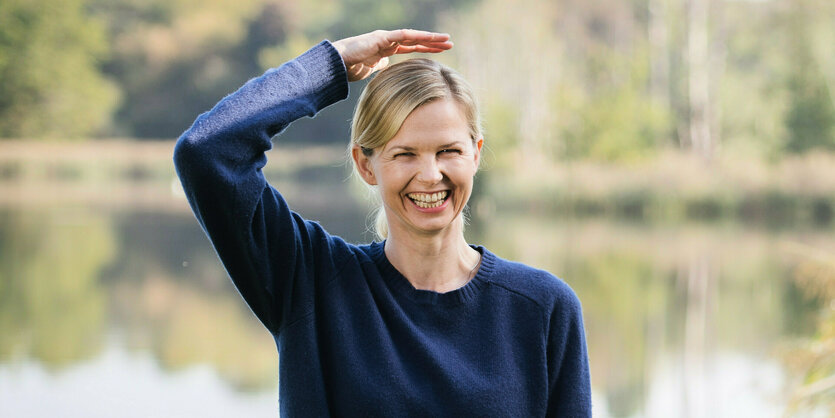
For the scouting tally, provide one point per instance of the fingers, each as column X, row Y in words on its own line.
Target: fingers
column 409, row 40
column 405, row 49
column 363, row 70
column 437, row 45
column 405, row 35
column 383, row 63
column 360, row 73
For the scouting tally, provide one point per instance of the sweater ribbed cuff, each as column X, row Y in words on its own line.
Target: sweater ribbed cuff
column 334, row 73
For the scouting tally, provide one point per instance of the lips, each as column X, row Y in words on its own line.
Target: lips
column 429, row 200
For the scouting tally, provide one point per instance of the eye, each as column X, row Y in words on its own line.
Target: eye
column 450, row 151
column 403, row 154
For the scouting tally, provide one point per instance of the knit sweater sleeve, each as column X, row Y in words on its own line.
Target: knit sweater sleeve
column 266, row 249
column 568, row 368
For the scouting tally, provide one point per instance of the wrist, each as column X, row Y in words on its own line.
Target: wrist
column 340, row 48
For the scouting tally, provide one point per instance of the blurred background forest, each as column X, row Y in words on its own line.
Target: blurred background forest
column 565, row 78
column 674, row 160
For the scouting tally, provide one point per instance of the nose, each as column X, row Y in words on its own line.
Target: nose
column 429, row 171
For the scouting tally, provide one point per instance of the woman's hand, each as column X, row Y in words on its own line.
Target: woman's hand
column 369, row 52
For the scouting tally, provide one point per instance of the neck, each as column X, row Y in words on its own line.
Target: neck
column 440, row 263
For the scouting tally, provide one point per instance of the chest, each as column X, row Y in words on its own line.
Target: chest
column 387, row 355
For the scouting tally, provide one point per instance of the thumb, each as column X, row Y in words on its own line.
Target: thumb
column 382, row 63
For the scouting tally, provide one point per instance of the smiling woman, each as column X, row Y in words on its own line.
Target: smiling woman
column 388, row 109
column 425, row 175
column 421, row 324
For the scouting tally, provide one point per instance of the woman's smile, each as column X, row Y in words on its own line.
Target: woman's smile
column 430, row 202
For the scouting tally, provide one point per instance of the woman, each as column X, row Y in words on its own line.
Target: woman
column 421, row 324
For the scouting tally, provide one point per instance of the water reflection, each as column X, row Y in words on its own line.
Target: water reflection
column 682, row 320
column 670, row 310
column 123, row 384
column 52, row 307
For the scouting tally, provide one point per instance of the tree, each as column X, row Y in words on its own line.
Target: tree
column 810, row 119
column 50, row 83
column 699, row 78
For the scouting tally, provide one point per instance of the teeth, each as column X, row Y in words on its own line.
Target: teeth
column 426, row 200
column 429, row 205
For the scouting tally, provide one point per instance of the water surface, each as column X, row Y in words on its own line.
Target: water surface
column 124, row 309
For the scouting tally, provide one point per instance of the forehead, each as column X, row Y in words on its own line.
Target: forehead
column 438, row 122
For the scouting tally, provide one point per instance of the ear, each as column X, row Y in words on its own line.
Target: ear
column 477, row 153
column 363, row 164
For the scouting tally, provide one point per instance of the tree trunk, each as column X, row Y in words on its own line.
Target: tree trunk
column 718, row 58
column 659, row 52
column 699, row 78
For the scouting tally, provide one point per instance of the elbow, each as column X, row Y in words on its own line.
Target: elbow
column 186, row 153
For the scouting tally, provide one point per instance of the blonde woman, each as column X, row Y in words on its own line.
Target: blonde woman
column 419, row 324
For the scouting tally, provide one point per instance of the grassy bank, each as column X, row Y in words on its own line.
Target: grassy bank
column 673, row 186
column 670, row 187
column 126, row 173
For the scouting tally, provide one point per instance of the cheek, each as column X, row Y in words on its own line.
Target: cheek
column 462, row 168
column 392, row 176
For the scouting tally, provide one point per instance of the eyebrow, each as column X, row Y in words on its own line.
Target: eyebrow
column 403, row 148
column 412, row 149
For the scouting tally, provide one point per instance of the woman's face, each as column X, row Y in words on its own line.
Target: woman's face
column 425, row 172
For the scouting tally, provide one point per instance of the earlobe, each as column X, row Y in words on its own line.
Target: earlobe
column 363, row 165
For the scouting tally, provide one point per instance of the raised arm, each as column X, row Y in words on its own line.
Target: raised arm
column 219, row 161
column 270, row 252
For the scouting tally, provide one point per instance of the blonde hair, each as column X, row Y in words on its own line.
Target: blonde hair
column 393, row 94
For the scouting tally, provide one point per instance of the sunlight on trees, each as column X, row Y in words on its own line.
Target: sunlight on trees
column 579, row 79
column 51, row 84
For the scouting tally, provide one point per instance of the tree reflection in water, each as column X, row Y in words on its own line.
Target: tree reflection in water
column 52, row 307
column 672, row 312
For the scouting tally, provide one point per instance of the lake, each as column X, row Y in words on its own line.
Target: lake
column 113, row 303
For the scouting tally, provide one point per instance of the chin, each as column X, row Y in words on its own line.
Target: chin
column 441, row 226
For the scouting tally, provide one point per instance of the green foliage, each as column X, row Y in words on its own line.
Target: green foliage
column 175, row 59
column 618, row 120
column 810, row 119
column 578, row 79
column 814, row 360
column 617, row 125
column 500, row 125
column 752, row 97
column 50, row 83
column 578, row 91
column 358, row 16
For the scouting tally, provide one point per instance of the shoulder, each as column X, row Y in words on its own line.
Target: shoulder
column 330, row 252
column 539, row 286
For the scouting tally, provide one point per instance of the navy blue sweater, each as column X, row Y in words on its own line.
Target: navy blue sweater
column 354, row 336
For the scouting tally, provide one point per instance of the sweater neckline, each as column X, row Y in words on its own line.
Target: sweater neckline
column 403, row 286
